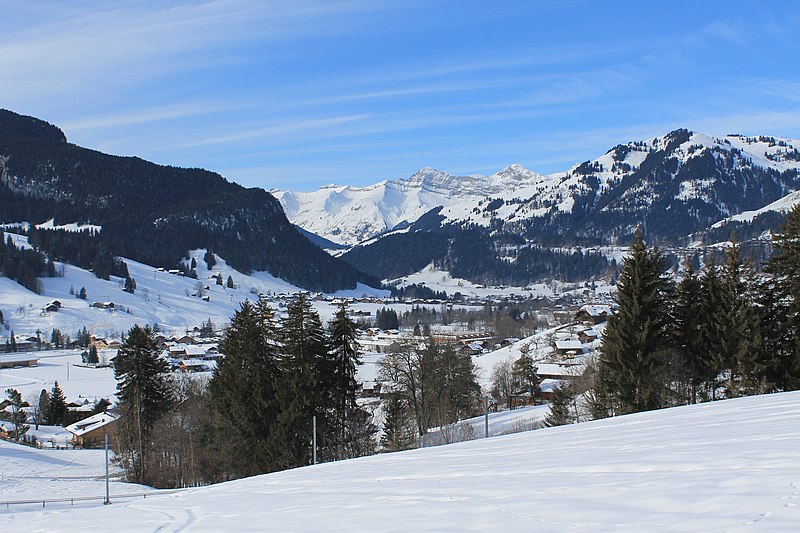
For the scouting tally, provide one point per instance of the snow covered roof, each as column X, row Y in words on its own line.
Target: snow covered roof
column 596, row 310
column 86, row 425
column 552, row 369
column 17, row 358
column 569, row 345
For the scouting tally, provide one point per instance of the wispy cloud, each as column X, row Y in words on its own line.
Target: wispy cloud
column 152, row 114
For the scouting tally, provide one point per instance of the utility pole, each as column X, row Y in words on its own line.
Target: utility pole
column 314, row 442
column 108, row 497
column 486, row 419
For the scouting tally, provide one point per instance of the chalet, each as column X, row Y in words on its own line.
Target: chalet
column 558, row 371
column 569, row 348
column 378, row 344
column 473, row 348
column 193, row 365
column 52, row 307
column 90, row 432
column 593, row 314
column 102, row 305
column 17, row 360
column 588, row 335
column 371, row 389
column 548, row 386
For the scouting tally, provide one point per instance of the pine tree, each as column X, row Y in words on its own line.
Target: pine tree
column 130, row 285
column 82, row 293
column 93, row 357
column 345, row 358
column 687, row 332
column 56, row 413
column 145, row 394
column 243, row 394
column 398, row 428
column 229, row 283
column 559, row 413
column 736, row 323
column 305, row 391
column 43, row 407
column 782, row 329
column 525, row 372
column 632, row 366
column 18, row 415
column 210, row 259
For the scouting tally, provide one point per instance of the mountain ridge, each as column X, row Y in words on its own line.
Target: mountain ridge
column 153, row 213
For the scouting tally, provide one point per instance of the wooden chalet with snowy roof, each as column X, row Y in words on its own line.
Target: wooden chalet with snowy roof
column 593, row 314
column 90, row 432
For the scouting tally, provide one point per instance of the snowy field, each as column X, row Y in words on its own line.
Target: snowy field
column 60, row 365
column 728, row 466
column 31, row 474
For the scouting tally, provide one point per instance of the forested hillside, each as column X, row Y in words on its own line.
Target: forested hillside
column 148, row 212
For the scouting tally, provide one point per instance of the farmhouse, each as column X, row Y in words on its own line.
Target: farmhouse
column 593, row 314
column 90, row 432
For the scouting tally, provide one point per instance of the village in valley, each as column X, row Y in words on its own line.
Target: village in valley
column 562, row 340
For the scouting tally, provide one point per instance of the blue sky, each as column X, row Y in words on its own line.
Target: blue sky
column 297, row 94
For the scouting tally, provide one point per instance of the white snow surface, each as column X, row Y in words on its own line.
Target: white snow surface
column 782, row 205
column 34, row 474
column 160, row 297
column 732, row 465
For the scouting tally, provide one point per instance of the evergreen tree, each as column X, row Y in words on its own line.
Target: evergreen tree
column 82, row 293
column 56, row 338
column 43, row 407
column 210, row 259
column 229, row 283
column 305, row 392
column 711, row 305
column 56, row 413
column 782, row 331
column 398, row 428
column 243, row 394
column 345, row 358
column 559, row 413
column 130, row 285
column 93, row 357
column 18, row 415
column 145, row 394
column 737, row 324
column 632, row 366
column 525, row 371
column 692, row 357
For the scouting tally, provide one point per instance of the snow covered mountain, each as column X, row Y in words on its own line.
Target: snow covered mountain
column 676, row 184
column 690, row 178
column 677, row 188
column 350, row 215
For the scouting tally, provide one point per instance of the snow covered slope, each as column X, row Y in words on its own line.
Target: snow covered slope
column 173, row 302
column 732, row 465
column 349, row 215
column 784, row 205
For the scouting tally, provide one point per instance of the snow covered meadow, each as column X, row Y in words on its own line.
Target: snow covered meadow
column 732, row 465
